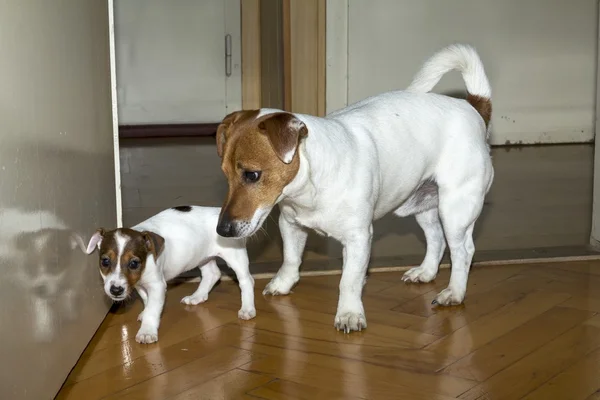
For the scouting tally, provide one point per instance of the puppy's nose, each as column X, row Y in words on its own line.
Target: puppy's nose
column 116, row 290
column 225, row 226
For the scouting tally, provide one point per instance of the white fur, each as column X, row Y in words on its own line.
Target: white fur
column 116, row 278
column 190, row 241
column 407, row 152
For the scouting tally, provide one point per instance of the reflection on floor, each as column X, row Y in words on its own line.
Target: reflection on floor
column 539, row 205
column 525, row 331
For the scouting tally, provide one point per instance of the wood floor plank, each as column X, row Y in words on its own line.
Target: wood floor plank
column 187, row 376
column 504, row 351
column 492, row 326
column 594, row 396
column 285, row 390
column 393, row 357
column 350, row 379
column 583, row 302
column 157, row 360
column 535, row 369
column 583, row 267
column 578, row 382
column 194, row 322
column 233, row 384
column 284, row 358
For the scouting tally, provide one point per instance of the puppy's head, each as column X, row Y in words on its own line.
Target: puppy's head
column 259, row 158
column 124, row 255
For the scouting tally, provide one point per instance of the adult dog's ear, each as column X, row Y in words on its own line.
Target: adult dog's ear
column 223, row 128
column 284, row 131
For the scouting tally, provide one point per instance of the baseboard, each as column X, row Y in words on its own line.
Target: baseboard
column 167, row 130
column 266, row 270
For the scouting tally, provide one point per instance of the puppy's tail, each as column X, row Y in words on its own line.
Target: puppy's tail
column 464, row 59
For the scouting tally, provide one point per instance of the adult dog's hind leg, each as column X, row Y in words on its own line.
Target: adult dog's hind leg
column 458, row 212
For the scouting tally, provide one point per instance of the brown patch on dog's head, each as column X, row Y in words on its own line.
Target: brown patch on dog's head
column 483, row 105
column 259, row 158
column 123, row 255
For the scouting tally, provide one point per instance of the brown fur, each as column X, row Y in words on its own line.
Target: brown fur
column 256, row 145
column 140, row 245
column 483, row 105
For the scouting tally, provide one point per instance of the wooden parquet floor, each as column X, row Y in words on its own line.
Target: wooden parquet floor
column 525, row 332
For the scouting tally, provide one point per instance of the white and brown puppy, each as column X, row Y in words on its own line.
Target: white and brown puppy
column 408, row 152
column 164, row 246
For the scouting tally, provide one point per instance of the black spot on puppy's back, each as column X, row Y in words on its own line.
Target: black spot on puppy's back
column 183, row 208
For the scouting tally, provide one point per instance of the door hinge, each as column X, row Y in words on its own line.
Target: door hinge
column 228, row 55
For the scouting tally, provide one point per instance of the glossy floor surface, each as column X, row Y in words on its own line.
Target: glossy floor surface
column 540, row 204
column 525, row 332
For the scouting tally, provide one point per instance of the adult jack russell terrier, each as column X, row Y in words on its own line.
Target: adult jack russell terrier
column 174, row 241
column 408, row 152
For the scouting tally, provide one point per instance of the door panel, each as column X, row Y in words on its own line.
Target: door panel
column 57, row 184
column 171, row 60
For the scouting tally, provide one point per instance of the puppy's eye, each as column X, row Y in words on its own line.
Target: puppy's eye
column 134, row 264
column 251, row 176
column 105, row 262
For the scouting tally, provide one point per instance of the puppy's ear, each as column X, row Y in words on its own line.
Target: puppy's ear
column 95, row 241
column 223, row 128
column 284, row 132
column 154, row 243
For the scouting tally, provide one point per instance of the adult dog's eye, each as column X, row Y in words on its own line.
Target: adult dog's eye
column 251, row 176
column 105, row 262
column 134, row 264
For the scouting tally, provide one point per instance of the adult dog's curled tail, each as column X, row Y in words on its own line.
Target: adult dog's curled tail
column 465, row 59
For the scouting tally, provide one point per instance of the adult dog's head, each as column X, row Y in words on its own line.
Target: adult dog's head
column 259, row 158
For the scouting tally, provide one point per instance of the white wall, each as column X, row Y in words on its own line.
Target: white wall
column 540, row 56
column 171, row 60
column 57, row 183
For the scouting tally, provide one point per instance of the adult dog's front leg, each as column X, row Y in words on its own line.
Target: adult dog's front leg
column 148, row 332
column 350, row 314
column 294, row 240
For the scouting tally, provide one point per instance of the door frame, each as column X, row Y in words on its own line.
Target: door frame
column 595, row 232
column 115, row 112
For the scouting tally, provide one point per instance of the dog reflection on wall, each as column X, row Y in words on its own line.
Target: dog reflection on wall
column 44, row 265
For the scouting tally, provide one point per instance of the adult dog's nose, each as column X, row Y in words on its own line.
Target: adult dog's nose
column 225, row 226
column 116, row 290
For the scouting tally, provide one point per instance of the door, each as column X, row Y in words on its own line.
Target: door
column 177, row 61
column 539, row 56
column 57, row 184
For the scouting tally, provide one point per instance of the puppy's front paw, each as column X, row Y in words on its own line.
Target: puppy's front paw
column 449, row 297
column 146, row 335
column 195, row 299
column 350, row 322
column 280, row 286
column 140, row 316
column 418, row 275
column 247, row 313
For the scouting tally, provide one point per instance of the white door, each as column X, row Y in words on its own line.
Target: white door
column 171, row 60
column 57, row 185
column 540, row 56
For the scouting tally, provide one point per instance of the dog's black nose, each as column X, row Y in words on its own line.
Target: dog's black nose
column 116, row 290
column 225, row 226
